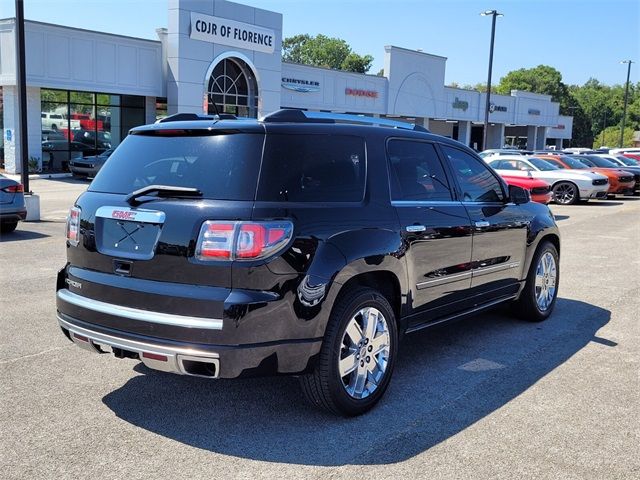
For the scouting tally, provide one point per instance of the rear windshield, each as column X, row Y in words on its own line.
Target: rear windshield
column 223, row 167
column 313, row 168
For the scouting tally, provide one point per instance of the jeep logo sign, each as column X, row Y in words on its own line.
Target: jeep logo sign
column 460, row 104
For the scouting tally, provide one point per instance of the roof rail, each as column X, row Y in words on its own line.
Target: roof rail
column 178, row 117
column 300, row 116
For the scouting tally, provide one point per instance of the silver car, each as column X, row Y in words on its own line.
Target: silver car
column 12, row 206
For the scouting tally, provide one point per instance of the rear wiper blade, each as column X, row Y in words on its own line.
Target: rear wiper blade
column 166, row 191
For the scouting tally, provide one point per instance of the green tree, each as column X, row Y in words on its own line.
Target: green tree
column 323, row 51
column 610, row 137
column 480, row 87
column 541, row 79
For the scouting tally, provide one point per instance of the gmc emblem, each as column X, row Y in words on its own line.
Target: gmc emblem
column 123, row 214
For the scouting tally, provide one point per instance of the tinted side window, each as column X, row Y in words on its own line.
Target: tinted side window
column 313, row 168
column 522, row 166
column 476, row 181
column 554, row 162
column 416, row 172
column 503, row 165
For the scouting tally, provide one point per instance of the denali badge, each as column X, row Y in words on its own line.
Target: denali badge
column 73, row 283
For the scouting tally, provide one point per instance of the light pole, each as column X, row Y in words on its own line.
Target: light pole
column 626, row 99
column 494, row 14
column 21, row 84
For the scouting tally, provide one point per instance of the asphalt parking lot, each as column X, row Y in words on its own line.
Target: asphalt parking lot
column 488, row 397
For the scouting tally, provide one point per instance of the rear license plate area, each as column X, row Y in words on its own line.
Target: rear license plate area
column 128, row 233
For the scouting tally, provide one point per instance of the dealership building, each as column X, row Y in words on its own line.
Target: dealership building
column 86, row 89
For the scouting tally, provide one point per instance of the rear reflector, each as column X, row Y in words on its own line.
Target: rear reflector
column 154, row 356
column 81, row 338
column 73, row 226
column 242, row 240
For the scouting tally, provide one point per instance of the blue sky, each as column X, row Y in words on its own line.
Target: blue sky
column 581, row 38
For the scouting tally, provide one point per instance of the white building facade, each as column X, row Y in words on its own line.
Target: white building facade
column 86, row 89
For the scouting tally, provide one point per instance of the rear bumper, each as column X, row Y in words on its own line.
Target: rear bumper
column 13, row 216
column 188, row 352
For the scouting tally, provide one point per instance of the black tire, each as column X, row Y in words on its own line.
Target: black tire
column 324, row 387
column 526, row 307
column 566, row 193
column 8, row 227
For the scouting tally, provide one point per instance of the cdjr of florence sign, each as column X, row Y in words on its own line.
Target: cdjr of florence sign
column 229, row 32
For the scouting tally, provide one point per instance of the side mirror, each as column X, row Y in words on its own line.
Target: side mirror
column 518, row 195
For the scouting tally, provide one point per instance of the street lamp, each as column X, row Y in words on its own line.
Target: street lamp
column 626, row 99
column 494, row 14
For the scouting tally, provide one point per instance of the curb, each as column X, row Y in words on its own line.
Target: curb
column 38, row 176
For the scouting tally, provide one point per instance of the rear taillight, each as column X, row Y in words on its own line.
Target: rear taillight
column 73, row 226
column 241, row 240
column 14, row 189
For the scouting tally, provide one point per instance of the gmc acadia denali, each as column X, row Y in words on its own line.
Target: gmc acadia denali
column 304, row 244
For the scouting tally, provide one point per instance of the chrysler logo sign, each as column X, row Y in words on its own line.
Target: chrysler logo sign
column 302, row 86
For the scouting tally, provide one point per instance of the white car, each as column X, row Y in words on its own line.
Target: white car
column 568, row 186
column 620, row 151
column 499, row 152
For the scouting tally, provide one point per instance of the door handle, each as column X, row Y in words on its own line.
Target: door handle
column 482, row 224
column 416, row 228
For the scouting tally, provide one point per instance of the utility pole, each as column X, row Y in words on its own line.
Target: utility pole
column 626, row 99
column 604, row 127
column 494, row 14
column 21, row 84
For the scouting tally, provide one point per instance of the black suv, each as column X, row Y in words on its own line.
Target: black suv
column 301, row 244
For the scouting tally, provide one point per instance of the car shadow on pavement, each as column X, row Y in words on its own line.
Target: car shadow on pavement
column 602, row 203
column 446, row 379
column 19, row 235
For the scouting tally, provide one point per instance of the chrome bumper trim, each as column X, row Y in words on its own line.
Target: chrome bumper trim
column 96, row 342
column 137, row 314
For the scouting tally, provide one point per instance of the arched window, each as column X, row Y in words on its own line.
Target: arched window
column 233, row 89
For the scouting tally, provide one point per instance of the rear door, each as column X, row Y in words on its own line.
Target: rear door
column 435, row 228
column 499, row 227
column 154, row 239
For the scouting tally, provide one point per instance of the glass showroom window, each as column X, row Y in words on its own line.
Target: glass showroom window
column 76, row 124
column 161, row 108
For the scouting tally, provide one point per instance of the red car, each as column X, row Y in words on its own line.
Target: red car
column 633, row 156
column 540, row 191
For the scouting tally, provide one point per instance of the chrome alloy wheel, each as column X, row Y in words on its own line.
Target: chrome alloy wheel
column 565, row 194
column 364, row 355
column 546, row 276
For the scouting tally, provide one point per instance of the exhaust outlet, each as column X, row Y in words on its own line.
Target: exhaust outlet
column 199, row 366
